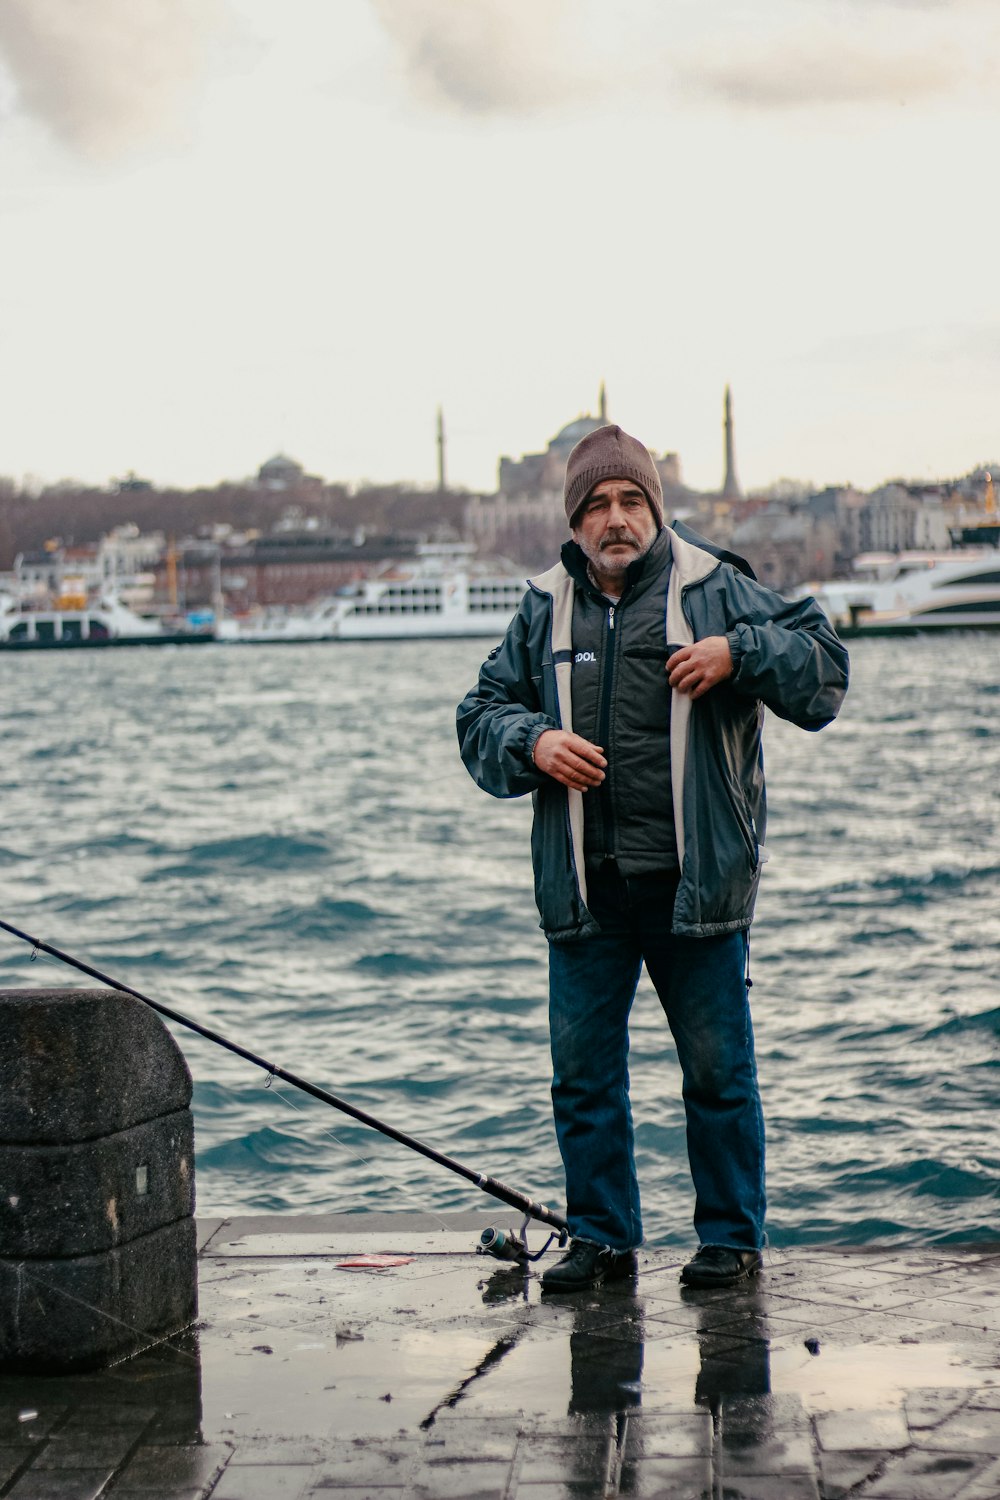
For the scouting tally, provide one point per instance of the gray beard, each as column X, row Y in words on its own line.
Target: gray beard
column 600, row 563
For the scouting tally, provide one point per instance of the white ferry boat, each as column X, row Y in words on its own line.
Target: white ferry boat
column 444, row 593
column 955, row 590
column 100, row 622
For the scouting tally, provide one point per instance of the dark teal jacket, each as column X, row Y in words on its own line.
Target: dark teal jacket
column 786, row 656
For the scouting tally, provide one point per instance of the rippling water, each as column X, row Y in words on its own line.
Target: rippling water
column 283, row 843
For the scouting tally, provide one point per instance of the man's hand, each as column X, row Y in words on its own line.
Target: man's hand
column 569, row 758
column 694, row 669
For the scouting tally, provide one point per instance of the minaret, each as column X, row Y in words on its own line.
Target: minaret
column 442, row 486
column 602, row 406
column 730, row 485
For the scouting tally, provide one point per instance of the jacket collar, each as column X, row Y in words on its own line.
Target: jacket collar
column 691, row 563
column 574, row 560
column 688, row 534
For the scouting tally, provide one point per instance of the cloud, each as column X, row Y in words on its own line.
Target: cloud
column 510, row 57
column 846, row 52
column 490, row 56
column 803, row 71
column 101, row 73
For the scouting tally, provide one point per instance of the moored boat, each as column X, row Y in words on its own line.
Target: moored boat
column 100, row 622
column 955, row 590
column 443, row 593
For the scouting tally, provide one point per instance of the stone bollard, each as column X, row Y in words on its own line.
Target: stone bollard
column 97, row 1234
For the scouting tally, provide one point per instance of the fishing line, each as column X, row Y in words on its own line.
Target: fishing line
column 324, row 1129
column 510, row 1246
column 350, row 1151
column 156, row 1340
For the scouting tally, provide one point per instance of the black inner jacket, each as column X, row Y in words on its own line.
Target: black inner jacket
column 621, row 701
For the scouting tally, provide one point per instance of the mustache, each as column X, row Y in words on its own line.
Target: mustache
column 618, row 539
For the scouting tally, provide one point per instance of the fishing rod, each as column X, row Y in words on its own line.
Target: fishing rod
column 503, row 1244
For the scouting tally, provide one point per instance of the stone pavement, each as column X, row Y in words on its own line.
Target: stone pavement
column 863, row 1373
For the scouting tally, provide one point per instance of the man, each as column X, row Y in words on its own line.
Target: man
column 628, row 697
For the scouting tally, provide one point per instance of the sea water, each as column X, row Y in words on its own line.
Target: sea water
column 282, row 842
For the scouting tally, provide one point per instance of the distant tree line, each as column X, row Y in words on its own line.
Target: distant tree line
column 78, row 514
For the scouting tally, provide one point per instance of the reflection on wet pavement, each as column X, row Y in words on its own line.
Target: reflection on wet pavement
column 862, row 1373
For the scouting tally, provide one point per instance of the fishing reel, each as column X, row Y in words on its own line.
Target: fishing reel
column 512, row 1244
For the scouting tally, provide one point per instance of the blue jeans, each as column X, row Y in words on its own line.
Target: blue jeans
column 701, row 983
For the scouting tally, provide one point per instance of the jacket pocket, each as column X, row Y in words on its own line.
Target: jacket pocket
column 543, row 680
column 744, row 820
column 647, row 653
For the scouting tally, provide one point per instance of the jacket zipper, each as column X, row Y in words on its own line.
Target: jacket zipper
column 607, row 686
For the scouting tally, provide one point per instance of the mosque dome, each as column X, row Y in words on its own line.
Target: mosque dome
column 571, row 434
column 279, row 472
column 279, row 465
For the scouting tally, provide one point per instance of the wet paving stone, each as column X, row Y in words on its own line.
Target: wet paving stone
column 883, row 1328
column 929, row 1408
column 27, row 1420
column 111, row 1419
column 925, row 1476
column 764, row 1414
column 985, row 1486
column 862, row 1277
column 382, row 1463
column 834, row 1375
column 883, row 1430
column 897, row 1292
column 168, row 1472
column 842, row 1474
column 965, row 1431
column 76, row 1450
column 777, row 1453
column 469, row 1480
column 678, row 1478
column 361, row 1492
column 683, row 1435
column 584, row 1490
column 61, row 1484
column 557, row 1460
column 986, row 1398
column 12, row 1459
column 256, row 1483
column 769, row 1487
column 964, row 1314
column 962, row 1285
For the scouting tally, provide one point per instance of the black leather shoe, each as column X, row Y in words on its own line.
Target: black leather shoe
column 720, row 1265
column 586, row 1264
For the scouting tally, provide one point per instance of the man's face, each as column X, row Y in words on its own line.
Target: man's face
column 614, row 526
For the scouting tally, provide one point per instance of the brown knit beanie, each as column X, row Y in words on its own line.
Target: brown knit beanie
column 609, row 453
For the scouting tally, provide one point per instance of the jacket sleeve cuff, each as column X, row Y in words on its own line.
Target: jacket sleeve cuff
column 737, row 649
column 533, row 736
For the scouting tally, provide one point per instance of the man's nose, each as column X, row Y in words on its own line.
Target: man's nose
column 617, row 516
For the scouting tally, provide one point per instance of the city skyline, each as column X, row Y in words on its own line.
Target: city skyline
column 232, row 231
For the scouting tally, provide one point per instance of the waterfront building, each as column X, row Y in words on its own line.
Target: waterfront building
column 122, row 564
column 284, row 569
column 39, row 573
column 126, row 562
column 785, row 544
column 902, row 518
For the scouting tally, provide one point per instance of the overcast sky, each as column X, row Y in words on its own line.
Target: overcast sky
column 232, row 227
